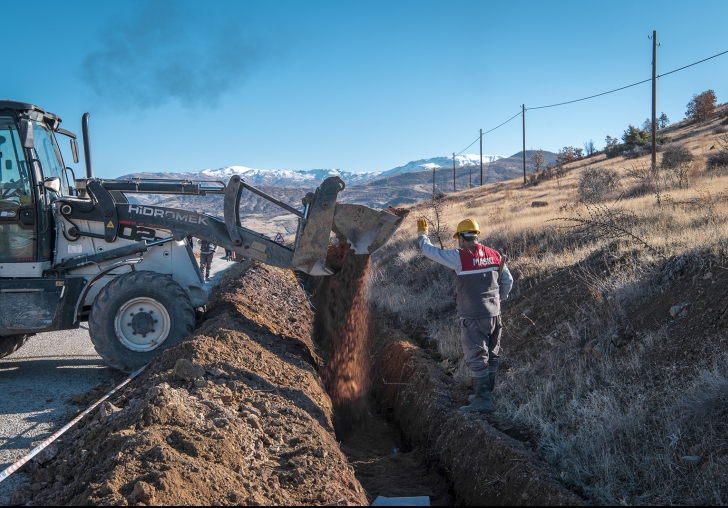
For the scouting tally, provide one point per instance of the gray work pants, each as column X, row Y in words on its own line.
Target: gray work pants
column 206, row 263
column 481, row 344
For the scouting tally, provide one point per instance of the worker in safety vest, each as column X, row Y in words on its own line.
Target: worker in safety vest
column 482, row 281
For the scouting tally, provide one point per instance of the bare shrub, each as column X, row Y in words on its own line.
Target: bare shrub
column 596, row 185
column 646, row 179
column 636, row 152
column 537, row 159
column 675, row 155
column 717, row 160
column 677, row 160
column 439, row 230
column 604, row 223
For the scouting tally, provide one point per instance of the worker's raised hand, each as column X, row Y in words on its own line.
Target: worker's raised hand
column 422, row 225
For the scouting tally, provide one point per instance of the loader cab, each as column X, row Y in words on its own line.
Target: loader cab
column 32, row 176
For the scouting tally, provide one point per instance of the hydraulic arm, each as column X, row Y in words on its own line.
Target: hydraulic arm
column 104, row 200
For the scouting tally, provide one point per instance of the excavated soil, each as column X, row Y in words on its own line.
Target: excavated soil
column 342, row 325
column 237, row 414
column 250, row 424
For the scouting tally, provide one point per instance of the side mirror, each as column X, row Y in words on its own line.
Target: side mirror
column 52, row 183
column 74, row 150
column 26, row 133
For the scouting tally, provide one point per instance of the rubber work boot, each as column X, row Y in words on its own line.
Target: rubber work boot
column 491, row 385
column 483, row 399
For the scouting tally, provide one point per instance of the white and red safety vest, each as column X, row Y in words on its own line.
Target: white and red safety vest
column 477, row 283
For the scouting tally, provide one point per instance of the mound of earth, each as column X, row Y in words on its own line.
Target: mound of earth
column 236, row 414
column 489, row 462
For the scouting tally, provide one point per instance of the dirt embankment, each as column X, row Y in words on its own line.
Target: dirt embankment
column 234, row 415
column 485, row 466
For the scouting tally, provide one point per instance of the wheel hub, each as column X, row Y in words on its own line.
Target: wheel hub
column 142, row 324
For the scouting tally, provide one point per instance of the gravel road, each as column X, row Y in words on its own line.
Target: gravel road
column 37, row 382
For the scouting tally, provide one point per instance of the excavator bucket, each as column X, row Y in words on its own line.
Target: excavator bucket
column 365, row 229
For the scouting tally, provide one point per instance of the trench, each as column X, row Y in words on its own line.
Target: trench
column 396, row 411
column 384, row 460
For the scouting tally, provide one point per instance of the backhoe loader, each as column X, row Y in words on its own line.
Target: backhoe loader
column 76, row 249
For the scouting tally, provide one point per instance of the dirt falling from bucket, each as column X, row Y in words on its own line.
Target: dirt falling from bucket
column 341, row 325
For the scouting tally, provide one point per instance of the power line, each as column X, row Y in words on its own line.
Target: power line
column 501, row 125
column 486, row 132
column 471, row 144
column 628, row 86
column 491, row 130
column 592, row 96
column 695, row 63
column 596, row 95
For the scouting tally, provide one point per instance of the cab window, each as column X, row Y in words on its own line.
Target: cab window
column 15, row 184
column 17, row 239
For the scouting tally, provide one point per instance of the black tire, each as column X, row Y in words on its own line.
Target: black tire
column 123, row 319
column 11, row 343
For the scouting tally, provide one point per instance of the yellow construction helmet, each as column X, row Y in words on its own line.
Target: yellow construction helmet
column 467, row 226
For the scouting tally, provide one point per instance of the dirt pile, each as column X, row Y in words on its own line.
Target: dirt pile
column 234, row 415
column 342, row 324
column 486, row 466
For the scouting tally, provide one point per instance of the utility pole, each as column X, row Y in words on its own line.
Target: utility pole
column 453, row 172
column 523, row 113
column 481, row 157
column 654, row 99
column 433, row 181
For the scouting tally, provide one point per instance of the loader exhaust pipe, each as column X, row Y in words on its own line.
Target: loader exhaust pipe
column 87, row 145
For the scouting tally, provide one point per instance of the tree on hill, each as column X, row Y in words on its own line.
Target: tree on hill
column 568, row 154
column 662, row 121
column 702, row 106
column 537, row 160
column 647, row 126
column 589, row 147
column 634, row 136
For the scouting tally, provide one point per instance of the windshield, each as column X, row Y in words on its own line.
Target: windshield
column 47, row 152
column 17, row 239
column 15, row 184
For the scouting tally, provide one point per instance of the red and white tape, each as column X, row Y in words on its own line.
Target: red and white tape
column 35, row 451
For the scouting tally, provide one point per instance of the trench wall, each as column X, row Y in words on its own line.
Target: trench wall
column 486, row 466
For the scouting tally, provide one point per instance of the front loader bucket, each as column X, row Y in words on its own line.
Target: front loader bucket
column 365, row 229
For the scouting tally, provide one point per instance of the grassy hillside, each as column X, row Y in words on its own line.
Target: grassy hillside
column 407, row 188
column 615, row 343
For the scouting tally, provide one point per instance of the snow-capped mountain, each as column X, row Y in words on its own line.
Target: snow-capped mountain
column 284, row 177
column 313, row 177
column 467, row 159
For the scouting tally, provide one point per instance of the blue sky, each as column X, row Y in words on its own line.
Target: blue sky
column 173, row 85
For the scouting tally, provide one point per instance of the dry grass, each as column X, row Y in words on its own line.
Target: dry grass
column 621, row 443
